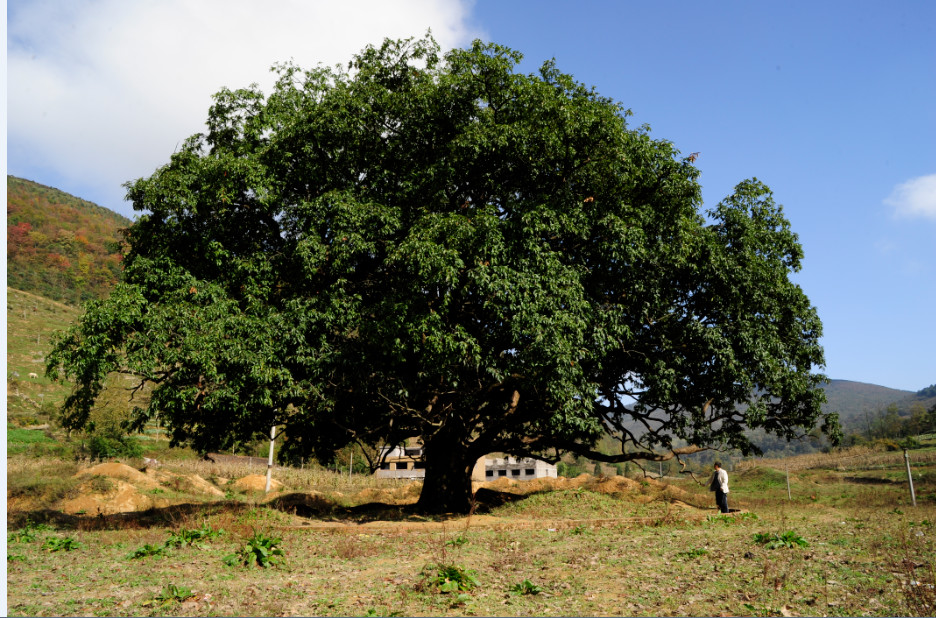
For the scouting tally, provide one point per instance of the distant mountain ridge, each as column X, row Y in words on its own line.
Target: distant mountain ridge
column 60, row 246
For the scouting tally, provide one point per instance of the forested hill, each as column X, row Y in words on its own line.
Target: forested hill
column 60, row 246
column 859, row 404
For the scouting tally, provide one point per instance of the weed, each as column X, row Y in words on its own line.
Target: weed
column 61, row 544
column 451, row 578
column 458, row 541
column 260, row 549
column 148, row 550
column 695, row 552
column 193, row 537
column 526, row 587
column 15, row 558
column 774, row 541
column 172, row 594
column 580, row 529
column 26, row 535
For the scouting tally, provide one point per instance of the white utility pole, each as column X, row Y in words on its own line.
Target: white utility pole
column 270, row 460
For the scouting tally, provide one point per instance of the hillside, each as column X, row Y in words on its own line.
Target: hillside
column 852, row 399
column 60, row 246
column 31, row 321
column 858, row 403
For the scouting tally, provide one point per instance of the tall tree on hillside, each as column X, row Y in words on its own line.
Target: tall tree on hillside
column 436, row 246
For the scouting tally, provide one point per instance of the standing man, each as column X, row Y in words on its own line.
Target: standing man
column 719, row 484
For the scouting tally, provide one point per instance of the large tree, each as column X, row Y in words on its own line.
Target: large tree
column 436, row 246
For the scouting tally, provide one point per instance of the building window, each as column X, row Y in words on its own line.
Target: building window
column 419, row 465
column 488, row 473
column 529, row 471
column 515, row 472
column 384, row 466
column 501, row 473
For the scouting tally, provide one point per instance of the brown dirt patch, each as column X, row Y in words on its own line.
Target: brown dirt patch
column 256, row 482
column 120, row 497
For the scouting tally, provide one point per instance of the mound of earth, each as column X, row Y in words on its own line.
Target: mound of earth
column 404, row 494
column 188, row 483
column 256, row 482
column 123, row 472
column 107, row 497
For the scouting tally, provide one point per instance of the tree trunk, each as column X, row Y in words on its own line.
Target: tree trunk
column 447, row 487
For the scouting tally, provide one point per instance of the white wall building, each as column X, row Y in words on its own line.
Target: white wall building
column 407, row 463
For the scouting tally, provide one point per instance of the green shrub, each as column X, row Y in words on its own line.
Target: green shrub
column 452, row 578
column 775, row 541
column 260, row 549
column 192, row 537
column 102, row 446
column 526, row 587
column 61, row 544
column 147, row 551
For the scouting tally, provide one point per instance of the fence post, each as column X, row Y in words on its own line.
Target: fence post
column 270, row 460
column 909, row 477
column 788, row 495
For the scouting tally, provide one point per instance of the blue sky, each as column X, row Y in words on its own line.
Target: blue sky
column 830, row 103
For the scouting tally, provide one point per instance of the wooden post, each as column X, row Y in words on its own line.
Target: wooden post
column 788, row 495
column 350, row 464
column 270, row 460
column 909, row 477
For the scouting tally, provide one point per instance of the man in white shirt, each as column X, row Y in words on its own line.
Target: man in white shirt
column 719, row 484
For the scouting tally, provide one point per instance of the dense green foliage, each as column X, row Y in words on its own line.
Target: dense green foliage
column 60, row 246
column 435, row 246
column 929, row 391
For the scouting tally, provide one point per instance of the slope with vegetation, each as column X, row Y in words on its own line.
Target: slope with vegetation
column 60, row 246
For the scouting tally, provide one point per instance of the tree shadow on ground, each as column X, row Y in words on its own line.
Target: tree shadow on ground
column 303, row 505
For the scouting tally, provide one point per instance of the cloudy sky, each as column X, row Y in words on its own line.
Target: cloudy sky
column 829, row 103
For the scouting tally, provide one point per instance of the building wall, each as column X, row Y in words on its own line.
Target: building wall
column 408, row 464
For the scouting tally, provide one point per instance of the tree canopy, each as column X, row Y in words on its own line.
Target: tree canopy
column 436, row 246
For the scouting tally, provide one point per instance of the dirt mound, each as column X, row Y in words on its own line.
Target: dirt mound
column 123, row 472
column 188, row 483
column 106, row 498
column 309, row 504
column 256, row 482
column 405, row 494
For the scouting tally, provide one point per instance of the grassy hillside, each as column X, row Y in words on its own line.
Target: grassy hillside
column 58, row 245
column 31, row 320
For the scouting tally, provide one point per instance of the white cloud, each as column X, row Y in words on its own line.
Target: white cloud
column 103, row 91
column 914, row 198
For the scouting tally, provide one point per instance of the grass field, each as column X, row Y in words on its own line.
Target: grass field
column 840, row 547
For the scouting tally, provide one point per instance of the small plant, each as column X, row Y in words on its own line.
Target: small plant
column 148, row 550
column 172, row 594
column 774, row 541
column 26, row 535
column 579, row 530
column 192, row 537
column 452, row 578
column 61, row 544
column 695, row 552
column 15, row 558
column 260, row 549
column 458, row 541
column 526, row 587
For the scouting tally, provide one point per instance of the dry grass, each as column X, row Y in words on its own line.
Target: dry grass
column 853, row 458
column 593, row 547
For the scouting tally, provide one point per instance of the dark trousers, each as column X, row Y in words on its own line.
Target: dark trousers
column 721, row 500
